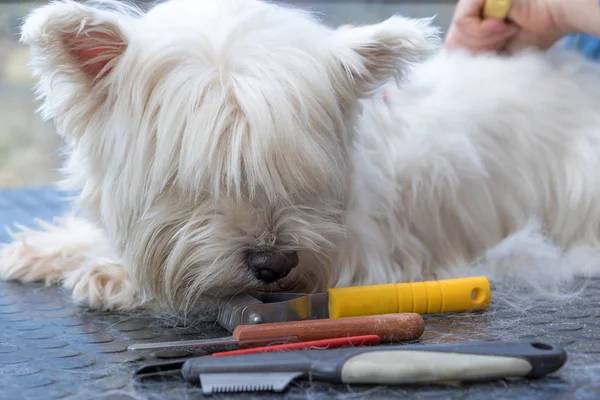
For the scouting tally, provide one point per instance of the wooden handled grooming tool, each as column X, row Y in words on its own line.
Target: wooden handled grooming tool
column 391, row 327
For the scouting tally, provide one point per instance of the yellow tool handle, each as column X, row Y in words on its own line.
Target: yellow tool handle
column 496, row 9
column 432, row 297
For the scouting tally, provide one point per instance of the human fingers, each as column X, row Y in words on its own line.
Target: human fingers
column 491, row 33
column 479, row 40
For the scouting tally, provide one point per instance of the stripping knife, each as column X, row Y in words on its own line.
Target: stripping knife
column 430, row 297
column 390, row 327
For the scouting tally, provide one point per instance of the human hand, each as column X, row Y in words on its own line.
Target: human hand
column 530, row 23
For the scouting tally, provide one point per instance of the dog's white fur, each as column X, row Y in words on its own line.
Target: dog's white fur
column 201, row 129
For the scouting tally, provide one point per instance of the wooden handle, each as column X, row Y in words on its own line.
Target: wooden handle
column 405, row 326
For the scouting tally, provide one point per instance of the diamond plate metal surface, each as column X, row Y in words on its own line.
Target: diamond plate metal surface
column 52, row 349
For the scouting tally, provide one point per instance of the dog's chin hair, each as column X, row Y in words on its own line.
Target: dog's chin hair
column 185, row 252
column 199, row 295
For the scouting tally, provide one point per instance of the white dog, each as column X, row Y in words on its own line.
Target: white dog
column 223, row 145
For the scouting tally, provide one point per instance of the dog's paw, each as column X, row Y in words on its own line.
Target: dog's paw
column 36, row 256
column 20, row 261
column 48, row 252
column 103, row 287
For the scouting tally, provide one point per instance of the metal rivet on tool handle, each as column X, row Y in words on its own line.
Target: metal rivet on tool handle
column 255, row 319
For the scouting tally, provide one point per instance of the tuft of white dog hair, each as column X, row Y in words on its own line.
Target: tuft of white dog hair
column 198, row 131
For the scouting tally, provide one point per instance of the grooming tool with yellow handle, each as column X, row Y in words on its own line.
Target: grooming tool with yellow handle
column 496, row 9
column 442, row 296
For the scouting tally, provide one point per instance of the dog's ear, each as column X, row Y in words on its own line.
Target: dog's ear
column 74, row 47
column 73, row 38
column 368, row 56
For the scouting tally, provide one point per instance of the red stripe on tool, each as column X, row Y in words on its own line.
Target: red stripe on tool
column 366, row 340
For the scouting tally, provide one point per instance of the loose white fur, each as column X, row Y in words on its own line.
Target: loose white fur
column 202, row 129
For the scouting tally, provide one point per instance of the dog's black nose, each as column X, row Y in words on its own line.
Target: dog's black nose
column 269, row 266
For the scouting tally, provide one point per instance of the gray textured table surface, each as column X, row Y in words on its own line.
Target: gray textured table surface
column 51, row 349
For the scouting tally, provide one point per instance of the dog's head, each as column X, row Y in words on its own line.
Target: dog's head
column 210, row 138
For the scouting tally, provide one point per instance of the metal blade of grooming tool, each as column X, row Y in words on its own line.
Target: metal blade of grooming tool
column 229, row 340
column 259, row 382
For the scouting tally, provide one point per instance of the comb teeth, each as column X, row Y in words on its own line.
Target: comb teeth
column 244, row 388
column 246, row 382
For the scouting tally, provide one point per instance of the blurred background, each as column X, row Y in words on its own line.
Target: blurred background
column 30, row 149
